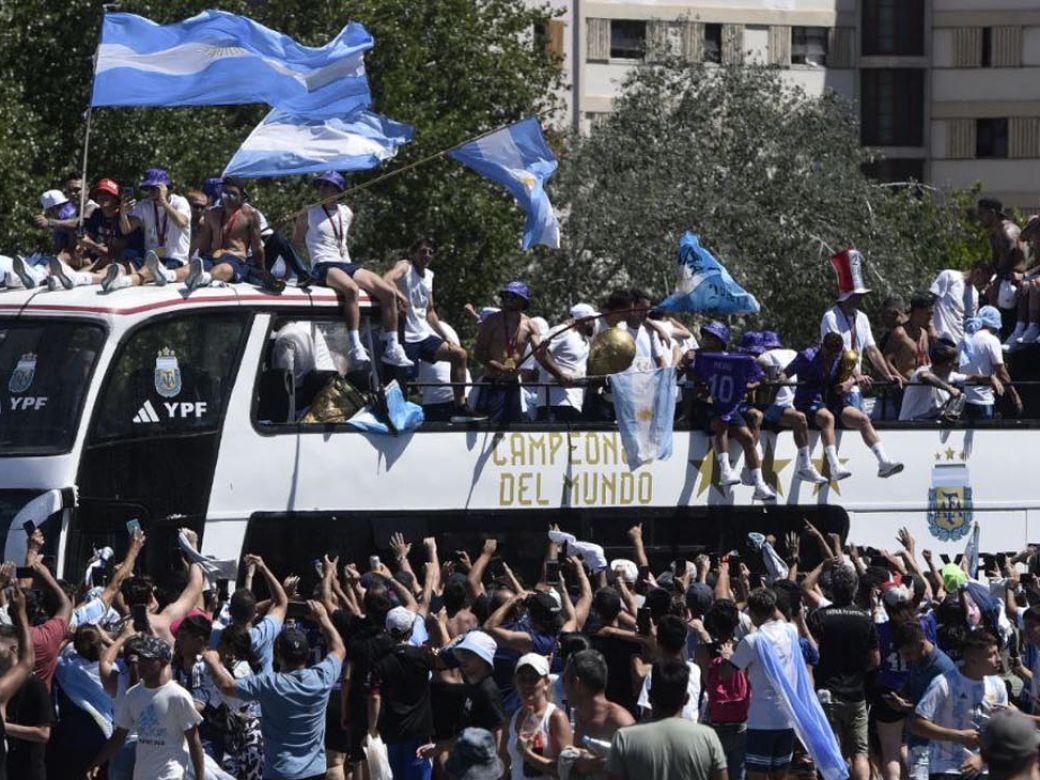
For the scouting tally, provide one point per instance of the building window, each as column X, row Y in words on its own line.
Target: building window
column 987, row 47
column 809, row 46
column 991, row 138
column 713, row 43
column 893, row 28
column 627, row 39
column 892, row 107
column 896, row 170
column 548, row 37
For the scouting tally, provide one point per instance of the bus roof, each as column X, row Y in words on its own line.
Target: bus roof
column 90, row 300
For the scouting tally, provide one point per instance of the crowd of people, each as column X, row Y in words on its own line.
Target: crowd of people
column 799, row 654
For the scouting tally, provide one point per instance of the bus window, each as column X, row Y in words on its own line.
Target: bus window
column 171, row 376
column 45, row 370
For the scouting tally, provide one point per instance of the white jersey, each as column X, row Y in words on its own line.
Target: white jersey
column 780, row 359
column 855, row 331
column 418, row 289
column 570, row 351
column 327, row 228
column 161, row 233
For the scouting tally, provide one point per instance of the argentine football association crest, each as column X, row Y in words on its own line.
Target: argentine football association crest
column 950, row 512
column 23, row 374
column 167, row 374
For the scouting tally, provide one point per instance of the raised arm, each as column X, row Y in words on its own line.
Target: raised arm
column 332, row 638
column 13, row 679
column 583, row 605
column 635, row 534
column 328, row 577
column 401, row 549
column 124, row 569
column 64, row 604
column 279, row 599
column 189, row 596
column 431, row 576
column 108, row 661
column 475, row 577
column 515, row 640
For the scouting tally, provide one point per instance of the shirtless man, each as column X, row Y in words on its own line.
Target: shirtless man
column 229, row 232
column 907, row 346
column 503, row 341
column 585, row 681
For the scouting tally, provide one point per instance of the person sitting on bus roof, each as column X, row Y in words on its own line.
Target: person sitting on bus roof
column 767, row 350
column 438, row 396
column 932, row 386
column 824, row 396
column 563, row 355
column 165, row 220
column 729, row 377
column 503, row 340
column 425, row 341
column 198, row 202
column 58, row 212
column 324, row 229
column 104, row 241
column 230, row 232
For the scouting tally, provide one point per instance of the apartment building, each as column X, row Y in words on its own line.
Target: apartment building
column 948, row 90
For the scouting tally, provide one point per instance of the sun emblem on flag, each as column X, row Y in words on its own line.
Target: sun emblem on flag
column 646, row 414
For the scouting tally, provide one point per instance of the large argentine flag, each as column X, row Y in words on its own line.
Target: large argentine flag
column 285, row 144
column 644, row 403
column 219, row 58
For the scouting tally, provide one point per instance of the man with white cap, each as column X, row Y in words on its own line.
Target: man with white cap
column 852, row 324
column 399, row 699
column 982, row 356
column 58, row 211
column 563, row 356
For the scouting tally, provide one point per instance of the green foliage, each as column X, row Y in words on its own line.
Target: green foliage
column 453, row 68
column 769, row 178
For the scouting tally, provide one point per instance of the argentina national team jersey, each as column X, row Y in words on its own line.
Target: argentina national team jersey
column 727, row 377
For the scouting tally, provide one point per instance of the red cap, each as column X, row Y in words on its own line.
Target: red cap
column 106, row 185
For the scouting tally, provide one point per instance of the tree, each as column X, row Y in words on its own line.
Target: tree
column 769, row 178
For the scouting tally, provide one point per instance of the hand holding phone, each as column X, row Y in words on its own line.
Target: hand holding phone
column 643, row 621
column 133, row 527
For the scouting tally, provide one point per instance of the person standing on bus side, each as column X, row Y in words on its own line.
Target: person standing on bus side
column 324, row 228
column 821, row 397
column 503, row 341
column 957, row 298
column 907, row 347
column 230, row 231
column 981, row 354
column 424, row 338
column 563, row 355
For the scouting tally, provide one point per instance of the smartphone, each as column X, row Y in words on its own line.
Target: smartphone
column 140, row 615
column 644, row 573
column 496, row 567
column 373, row 562
column 222, row 590
column 133, row 527
column 565, row 552
column 29, row 527
column 552, row 572
column 643, row 621
column 24, row 573
column 297, row 610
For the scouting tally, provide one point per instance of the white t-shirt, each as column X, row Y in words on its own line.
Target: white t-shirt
column 766, row 710
column 987, row 356
column 954, row 701
column 160, row 716
column 327, row 229
column 691, row 709
column 648, row 349
column 949, row 291
column 160, row 232
column 780, row 359
column 570, row 351
column 418, row 289
column 300, row 347
column 855, row 331
column 922, row 401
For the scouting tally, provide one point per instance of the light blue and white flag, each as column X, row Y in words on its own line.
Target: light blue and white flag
column 518, row 158
column 219, row 58
column 644, row 403
column 704, row 285
column 284, row 144
column 405, row 415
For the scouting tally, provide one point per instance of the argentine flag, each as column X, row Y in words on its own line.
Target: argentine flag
column 704, row 285
column 284, row 144
column 219, row 58
column 644, row 404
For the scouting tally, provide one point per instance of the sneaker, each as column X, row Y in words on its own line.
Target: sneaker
column 811, row 475
column 727, row 476
column 57, row 271
column 18, row 266
column 113, row 273
column 395, row 356
column 357, row 357
column 53, row 284
column 155, row 268
column 746, row 478
column 838, row 474
column 268, row 281
column 888, row 468
column 763, row 493
column 1031, row 334
column 197, row 276
column 463, row 414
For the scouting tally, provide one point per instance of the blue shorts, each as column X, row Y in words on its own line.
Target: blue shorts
column 774, row 413
column 768, row 750
column 320, row 272
column 240, row 269
column 169, row 263
column 425, row 350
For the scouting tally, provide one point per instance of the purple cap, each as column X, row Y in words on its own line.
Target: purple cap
column 718, row 330
column 153, row 177
column 770, row 340
column 518, row 288
column 751, row 343
column 67, row 211
column 333, row 178
column 213, row 188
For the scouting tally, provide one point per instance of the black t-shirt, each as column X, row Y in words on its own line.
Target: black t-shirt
column 618, row 652
column 367, row 646
column 105, row 230
column 483, row 707
column 846, row 637
column 402, row 677
column 31, row 706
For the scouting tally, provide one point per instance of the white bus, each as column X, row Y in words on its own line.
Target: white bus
column 153, row 405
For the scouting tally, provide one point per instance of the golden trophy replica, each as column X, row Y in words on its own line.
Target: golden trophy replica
column 849, row 362
column 611, row 352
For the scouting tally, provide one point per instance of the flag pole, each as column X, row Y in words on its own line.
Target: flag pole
column 85, row 186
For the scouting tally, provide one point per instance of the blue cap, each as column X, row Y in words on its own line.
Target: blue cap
column 751, row 343
column 333, row 178
column 475, row 756
column 718, row 330
column 520, row 289
column 771, row 340
column 153, row 177
column 213, row 188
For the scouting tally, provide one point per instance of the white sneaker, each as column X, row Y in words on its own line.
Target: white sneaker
column 155, row 268
column 888, row 468
column 1031, row 334
column 1012, row 341
column 18, row 266
column 197, row 275
column 727, row 476
column 395, row 356
column 811, row 475
column 57, row 271
column 358, row 357
column 763, row 493
column 112, row 276
column 838, row 473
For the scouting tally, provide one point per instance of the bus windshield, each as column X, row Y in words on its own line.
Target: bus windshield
column 45, row 370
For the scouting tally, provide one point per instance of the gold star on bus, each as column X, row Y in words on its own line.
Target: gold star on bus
column 824, row 467
column 709, row 473
column 772, row 466
column 950, row 453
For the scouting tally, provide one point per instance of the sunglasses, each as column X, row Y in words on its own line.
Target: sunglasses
column 509, row 295
column 198, row 206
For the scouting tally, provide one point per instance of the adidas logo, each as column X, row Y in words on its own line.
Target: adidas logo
column 146, row 414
